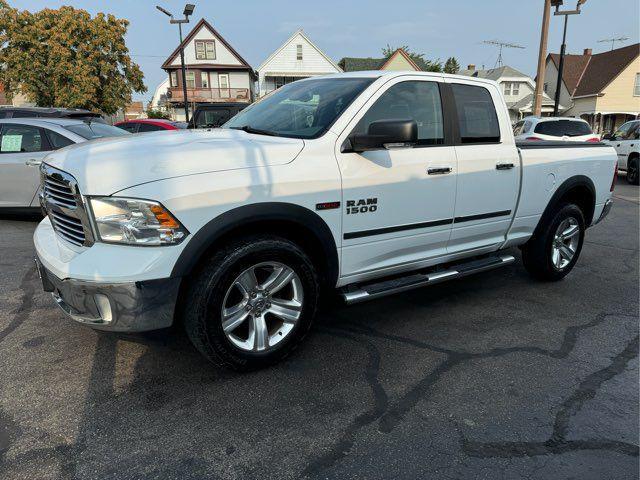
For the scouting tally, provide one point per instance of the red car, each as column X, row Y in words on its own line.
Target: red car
column 149, row 125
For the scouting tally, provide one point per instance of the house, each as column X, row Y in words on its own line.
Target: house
column 215, row 71
column 134, row 110
column 295, row 59
column 602, row 88
column 397, row 61
column 160, row 96
column 517, row 88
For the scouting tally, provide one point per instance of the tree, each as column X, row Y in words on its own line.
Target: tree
column 66, row 58
column 451, row 65
column 418, row 58
column 151, row 113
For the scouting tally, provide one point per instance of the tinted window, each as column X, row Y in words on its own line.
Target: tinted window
column 57, row 141
column 419, row 101
column 4, row 114
column 625, row 131
column 96, row 130
column 476, row 114
column 212, row 118
column 129, row 127
column 147, row 127
column 561, row 128
column 24, row 114
column 304, row 109
column 20, row 138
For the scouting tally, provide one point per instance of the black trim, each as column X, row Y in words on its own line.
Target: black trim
column 451, row 125
column 569, row 184
column 307, row 221
column 482, row 216
column 535, row 144
column 397, row 228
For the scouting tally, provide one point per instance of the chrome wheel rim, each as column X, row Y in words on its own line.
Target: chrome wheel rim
column 565, row 243
column 262, row 306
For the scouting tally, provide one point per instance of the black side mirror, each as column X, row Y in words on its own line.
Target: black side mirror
column 608, row 136
column 383, row 134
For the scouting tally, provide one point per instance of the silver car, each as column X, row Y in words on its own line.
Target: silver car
column 24, row 142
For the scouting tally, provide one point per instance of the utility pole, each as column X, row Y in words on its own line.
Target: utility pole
column 544, row 35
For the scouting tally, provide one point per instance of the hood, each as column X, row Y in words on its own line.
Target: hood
column 105, row 166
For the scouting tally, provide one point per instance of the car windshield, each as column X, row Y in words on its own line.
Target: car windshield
column 91, row 130
column 304, row 109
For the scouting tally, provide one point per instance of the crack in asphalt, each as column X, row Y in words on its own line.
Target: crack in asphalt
column 558, row 442
column 391, row 416
column 26, row 303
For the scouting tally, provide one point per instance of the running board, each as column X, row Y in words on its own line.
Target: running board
column 369, row 291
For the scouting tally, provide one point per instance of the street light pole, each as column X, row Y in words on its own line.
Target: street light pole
column 188, row 10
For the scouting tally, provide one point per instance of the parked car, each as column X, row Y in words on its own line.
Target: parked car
column 554, row 128
column 626, row 141
column 42, row 112
column 24, row 142
column 150, row 125
column 393, row 181
column 215, row 115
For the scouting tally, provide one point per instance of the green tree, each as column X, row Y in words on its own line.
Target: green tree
column 151, row 113
column 67, row 58
column 418, row 58
column 451, row 65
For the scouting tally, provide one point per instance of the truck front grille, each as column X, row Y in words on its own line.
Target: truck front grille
column 60, row 198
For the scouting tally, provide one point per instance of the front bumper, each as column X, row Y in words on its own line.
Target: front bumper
column 119, row 307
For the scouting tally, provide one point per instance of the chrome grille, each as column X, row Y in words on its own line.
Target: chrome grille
column 63, row 203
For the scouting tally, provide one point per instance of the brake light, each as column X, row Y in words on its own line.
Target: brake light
column 593, row 140
column 615, row 175
column 534, row 138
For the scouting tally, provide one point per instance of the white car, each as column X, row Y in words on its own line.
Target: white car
column 566, row 129
column 24, row 142
column 368, row 183
column 626, row 141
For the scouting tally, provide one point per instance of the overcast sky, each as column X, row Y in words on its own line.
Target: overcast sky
column 437, row 28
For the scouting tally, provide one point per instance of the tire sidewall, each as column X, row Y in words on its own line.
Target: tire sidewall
column 565, row 212
column 253, row 253
column 633, row 167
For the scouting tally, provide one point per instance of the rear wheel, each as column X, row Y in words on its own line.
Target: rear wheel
column 554, row 250
column 632, row 171
column 252, row 303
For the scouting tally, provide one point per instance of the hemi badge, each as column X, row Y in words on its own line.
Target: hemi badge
column 327, row 205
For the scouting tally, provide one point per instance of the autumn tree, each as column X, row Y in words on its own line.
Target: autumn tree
column 418, row 58
column 66, row 58
column 451, row 65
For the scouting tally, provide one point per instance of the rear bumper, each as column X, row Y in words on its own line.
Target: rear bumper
column 119, row 307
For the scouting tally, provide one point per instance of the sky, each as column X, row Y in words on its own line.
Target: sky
column 361, row 28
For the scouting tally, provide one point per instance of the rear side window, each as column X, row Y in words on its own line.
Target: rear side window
column 477, row 115
column 562, row 128
column 56, row 140
column 213, row 118
column 20, row 139
column 147, row 127
column 419, row 101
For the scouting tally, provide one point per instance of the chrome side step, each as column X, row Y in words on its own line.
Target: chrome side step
column 369, row 291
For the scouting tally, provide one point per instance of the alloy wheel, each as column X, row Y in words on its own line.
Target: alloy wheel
column 565, row 243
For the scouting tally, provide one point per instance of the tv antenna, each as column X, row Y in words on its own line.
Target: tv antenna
column 614, row 40
column 501, row 45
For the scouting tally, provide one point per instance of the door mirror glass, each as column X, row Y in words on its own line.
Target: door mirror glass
column 384, row 134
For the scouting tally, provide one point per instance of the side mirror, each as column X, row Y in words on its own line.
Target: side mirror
column 608, row 136
column 383, row 134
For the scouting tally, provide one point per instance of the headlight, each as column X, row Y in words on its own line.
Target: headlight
column 135, row 222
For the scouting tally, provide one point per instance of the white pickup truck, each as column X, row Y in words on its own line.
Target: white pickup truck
column 368, row 183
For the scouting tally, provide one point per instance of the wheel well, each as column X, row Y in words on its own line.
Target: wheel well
column 583, row 197
column 633, row 156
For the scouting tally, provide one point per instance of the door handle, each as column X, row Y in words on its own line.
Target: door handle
column 504, row 166
column 439, row 170
column 32, row 162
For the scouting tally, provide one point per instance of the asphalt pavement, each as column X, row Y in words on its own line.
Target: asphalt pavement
column 494, row 376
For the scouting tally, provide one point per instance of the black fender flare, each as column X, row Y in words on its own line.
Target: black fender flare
column 235, row 218
column 561, row 191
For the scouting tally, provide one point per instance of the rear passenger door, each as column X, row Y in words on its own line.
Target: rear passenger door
column 488, row 168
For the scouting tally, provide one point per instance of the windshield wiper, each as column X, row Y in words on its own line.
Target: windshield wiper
column 257, row 131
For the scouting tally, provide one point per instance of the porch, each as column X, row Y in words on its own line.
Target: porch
column 607, row 122
column 209, row 95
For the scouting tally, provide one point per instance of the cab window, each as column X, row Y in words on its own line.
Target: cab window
column 477, row 115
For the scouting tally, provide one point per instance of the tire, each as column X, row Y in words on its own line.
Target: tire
column 541, row 253
column 632, row 171
column 230, row 286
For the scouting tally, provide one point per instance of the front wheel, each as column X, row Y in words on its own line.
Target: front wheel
column 252, row 303
column 554, row 250
column 632, row 171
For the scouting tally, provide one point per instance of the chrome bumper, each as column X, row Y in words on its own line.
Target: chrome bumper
column 118, row 307
column 605, row 211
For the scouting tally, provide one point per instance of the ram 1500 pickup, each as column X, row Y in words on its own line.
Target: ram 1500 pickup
column 366, row 183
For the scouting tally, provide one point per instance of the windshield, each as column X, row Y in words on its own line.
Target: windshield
column 304, row 109
column 96, row 130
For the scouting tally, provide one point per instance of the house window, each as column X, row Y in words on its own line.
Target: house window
column 174, row 79
column 511, row 88
column 546, row 87
column 636, row 87
column 191, row 80
column 281, row 81
column 298, row 52
column 515, row 89
column 507, row 89
column 205, row 50
column 204, row 79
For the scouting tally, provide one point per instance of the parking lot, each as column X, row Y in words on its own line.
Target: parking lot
column 495, row 376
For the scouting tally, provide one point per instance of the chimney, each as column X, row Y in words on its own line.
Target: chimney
column 588, row 51
column 471, row 67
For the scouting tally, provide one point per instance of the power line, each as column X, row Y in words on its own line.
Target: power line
column 501, row 45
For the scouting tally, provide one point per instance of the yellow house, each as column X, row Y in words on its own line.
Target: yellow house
column 603, row 89
column 398, row 61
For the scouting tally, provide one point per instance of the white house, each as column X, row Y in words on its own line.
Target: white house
column 518, row 90
column 159, row 99
column 297, row 58
column 215, row 71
